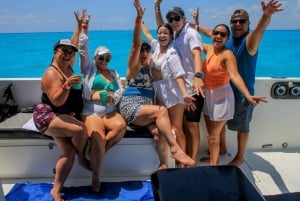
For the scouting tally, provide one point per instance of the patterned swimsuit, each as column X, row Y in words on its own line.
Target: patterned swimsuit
column 138, row 93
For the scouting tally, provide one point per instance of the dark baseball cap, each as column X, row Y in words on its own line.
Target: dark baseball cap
column 146, row 44
column 175, row 11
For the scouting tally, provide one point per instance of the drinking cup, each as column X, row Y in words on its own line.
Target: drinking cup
column 103, row 95
column 79, row 85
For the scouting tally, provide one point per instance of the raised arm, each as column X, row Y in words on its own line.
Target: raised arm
column 158, row 16
column 201, row 29
column 254, row 38
column 83, row 42
column 147, row 33
column 134, row 55
column 75, row 36
column 79, row 18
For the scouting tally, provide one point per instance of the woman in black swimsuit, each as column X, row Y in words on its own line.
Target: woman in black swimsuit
column 58, row 114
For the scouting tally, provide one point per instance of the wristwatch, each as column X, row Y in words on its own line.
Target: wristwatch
column 199, row 75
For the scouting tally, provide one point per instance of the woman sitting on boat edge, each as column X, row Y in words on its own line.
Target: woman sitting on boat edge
column 137, row 103
column 59, row 113
column 105, row 126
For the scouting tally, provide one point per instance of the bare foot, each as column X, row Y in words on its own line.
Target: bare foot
column 56, row 195
column 95, row 184
column 162, row 166
column 206, row 159
column 236, row 162
column 181, row 157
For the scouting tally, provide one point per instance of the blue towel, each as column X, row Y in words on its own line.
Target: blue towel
column 110, row 191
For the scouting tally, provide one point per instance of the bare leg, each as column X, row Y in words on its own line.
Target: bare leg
column 70, row 135
column 176, row 117
column 161, row 147
column 116, row 127
column 63, row 166
column 214, row 129
column 192, row 131
column 96, row 132
column 242, row 139
column 68, row 127
column 159, row 114
column 223, row 147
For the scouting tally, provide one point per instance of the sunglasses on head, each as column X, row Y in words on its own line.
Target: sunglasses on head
column 242, row 21
column 67, row 51
column 175, row 18
column 222, row 34
column 102, row 58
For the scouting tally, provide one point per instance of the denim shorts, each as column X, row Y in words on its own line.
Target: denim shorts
column 242, row 116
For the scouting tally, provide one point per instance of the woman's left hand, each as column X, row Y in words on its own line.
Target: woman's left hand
column 257, row 99
column 189, row 103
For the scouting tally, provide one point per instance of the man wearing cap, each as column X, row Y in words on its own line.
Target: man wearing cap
column 244, row 44
column 188, row 44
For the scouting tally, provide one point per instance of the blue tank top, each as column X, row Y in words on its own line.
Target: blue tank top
column 140, row 85
column 245, row 62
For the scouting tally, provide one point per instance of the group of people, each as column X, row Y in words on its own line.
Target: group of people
column 167, row 86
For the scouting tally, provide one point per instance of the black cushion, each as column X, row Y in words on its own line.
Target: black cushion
column 205, row 183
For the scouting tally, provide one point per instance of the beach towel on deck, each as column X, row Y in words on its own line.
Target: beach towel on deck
column 110, row 191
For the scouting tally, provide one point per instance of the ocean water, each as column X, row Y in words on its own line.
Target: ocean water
column 25, row 55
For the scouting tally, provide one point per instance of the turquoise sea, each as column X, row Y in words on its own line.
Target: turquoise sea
column 29, row 54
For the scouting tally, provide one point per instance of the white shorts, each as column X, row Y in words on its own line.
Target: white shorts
column 91, row 107
column 165, row 95
column 219, row 103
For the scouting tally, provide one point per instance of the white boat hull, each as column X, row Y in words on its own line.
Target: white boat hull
column 272, row 157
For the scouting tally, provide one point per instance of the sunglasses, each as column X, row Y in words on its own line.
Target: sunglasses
column 102, row 58
column 68, row 51
column 146, row 49
column 222, row 34
column 243, row 21
column 175, row 18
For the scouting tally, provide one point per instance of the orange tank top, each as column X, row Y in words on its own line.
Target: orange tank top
column 216, row 75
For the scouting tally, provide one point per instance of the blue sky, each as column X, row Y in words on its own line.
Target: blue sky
column 57, row 15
